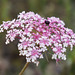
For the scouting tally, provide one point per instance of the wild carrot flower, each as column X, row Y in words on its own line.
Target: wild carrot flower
column 35, row 34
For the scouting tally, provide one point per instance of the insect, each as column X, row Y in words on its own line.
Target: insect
column 47, row 22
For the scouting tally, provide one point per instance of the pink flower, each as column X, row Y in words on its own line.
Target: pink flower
column 35, row 35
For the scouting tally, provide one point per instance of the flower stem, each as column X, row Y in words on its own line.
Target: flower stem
column 24, row 68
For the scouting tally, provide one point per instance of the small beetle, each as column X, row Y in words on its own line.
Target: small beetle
column 47, row 22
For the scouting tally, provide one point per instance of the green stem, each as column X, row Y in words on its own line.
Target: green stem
column 24, row 68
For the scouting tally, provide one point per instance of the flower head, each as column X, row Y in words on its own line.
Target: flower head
column 35, row 34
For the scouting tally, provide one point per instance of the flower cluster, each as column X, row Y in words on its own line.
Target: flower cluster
column 35, row 34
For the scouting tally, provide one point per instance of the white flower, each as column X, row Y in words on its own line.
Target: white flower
column 54, row 56
column 54, row 49
column 21, row 52
column 37, row 41
column 63, row 57
column 24, row 52
column 29, row 49
column 59, row 55
column 7, row 41
column 27, row 25
column 63, row 50
column 20, row 47
column 71, row 46
column 12, row 39
column 1, row 30
column 28, row 59
column 41, row 56
column 30, row 39
column 60, row 45
column 28, row 54
column 29, row 34
column 24, row 47
column 65, row 44
column 44, row 49
column 42, row 45
column 56, row 44
column 30, row 29
column 32, row 45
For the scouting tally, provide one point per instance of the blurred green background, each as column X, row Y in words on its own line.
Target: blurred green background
column 10, row 61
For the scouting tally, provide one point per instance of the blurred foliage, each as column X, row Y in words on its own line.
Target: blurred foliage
column 9, row 58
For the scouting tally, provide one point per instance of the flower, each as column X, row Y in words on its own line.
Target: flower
column 35, row 34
